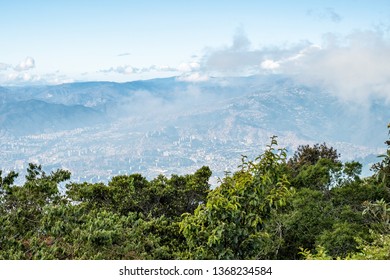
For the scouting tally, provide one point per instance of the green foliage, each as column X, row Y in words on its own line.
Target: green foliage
column 379, row 215
column 309, row 214
column 7, row 181
column 231, row 225
column 309, row 156
column 319, row 176
column 22, row 210
column 133, row 193
column 355, row 193
column 378, row 248
column 382, row 169
column 341, row 240
column 311, row 206
column 320, row 254
column 319, row 168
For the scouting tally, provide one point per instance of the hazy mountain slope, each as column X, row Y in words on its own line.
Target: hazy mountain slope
column 35, row 116
column 170, row 126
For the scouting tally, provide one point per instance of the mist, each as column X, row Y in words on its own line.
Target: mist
column 354, row 67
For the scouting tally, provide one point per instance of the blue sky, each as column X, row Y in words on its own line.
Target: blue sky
column 63, row 41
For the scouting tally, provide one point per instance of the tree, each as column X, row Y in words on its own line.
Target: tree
column 231, row 225
column 311, row 206
column 378, row 213
column 307, row 155
column 382, row 169
column 320, row 176
column 22, row 208
column 170, row 197
column 342, row 239
column 307, row 216
column 7, row 181
column 316, row 167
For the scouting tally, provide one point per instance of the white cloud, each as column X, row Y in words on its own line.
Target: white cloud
column 307, row 50
column 193, row 77
column 188, row 67
column 354, row 68
column 125, row 69
column 241, row 59
column 4, row 66
column 240, row 40
column 25, row 73
column 231, row 60
column 56, row 78
column 159, row 68
column 128, row 69
column 269, row 64
column 234, row 58
column 27, row 64
column 22, row 78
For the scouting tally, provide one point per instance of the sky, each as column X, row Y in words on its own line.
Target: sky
column 344, row 45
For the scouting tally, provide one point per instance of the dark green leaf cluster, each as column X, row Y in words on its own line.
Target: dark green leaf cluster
column 129, row 218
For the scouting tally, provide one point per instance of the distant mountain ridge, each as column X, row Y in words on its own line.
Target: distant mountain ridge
column 273, row 103
column 168, row 124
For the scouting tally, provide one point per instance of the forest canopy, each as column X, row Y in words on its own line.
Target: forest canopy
column 309, row 206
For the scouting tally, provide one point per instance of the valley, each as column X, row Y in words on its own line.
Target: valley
column 165, row 126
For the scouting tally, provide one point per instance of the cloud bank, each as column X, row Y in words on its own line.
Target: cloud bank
column 354, row 67
column 239, row 57
column 4, row 66
column 129, row 69
column 186, row 71
column 25, row 73
column 27, row 64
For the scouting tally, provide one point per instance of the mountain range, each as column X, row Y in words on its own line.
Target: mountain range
column 100, row 129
